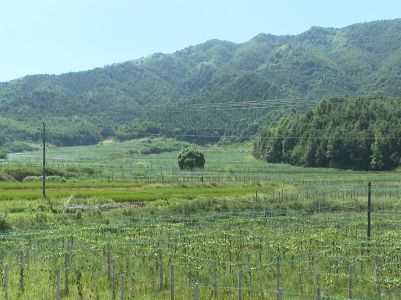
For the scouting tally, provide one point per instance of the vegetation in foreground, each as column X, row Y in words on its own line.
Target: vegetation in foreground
column 249, row 237
column 245, row 215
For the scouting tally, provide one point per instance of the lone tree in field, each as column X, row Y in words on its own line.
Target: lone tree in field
column 3, row 154
column 191, row 158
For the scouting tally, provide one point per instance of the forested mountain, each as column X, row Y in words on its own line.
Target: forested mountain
column 360, row 133
column 175, row 93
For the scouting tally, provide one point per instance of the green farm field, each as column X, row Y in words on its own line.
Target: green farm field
column 239, row 228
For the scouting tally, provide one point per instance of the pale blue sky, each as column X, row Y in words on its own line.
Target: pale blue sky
column 60, row 36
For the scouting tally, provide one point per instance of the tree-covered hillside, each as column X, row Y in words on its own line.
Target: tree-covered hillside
column 359, row 59
column 233, row 107
column 360, row 133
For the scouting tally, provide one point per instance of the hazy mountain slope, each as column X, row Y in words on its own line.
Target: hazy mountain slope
column 223, row 107
column 358, row 59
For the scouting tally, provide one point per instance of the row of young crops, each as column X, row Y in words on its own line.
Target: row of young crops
column 258, row 254
column 302, row 236
column 111, row 163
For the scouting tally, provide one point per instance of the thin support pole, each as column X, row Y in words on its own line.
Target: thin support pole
column 160, row 270
column 58, row 285
column 196, row 291
column 369, row 208
column 44, row 159
column 318, row 296
column 6, row 282
column 350, row 282
column 377, row 275
column 122, row 288
column 215, row 279
column 240, row 285
column 172, row 282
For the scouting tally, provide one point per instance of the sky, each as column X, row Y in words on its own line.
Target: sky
column 61, row 36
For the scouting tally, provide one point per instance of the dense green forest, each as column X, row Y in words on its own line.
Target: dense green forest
column 359, row 133
column 216, row 114
column 193, row 91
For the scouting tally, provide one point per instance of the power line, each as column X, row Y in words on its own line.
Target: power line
column 241, row 105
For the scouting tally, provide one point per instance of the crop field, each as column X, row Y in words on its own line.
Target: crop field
column 271, row 248
column 239, row 229
column 111, row 162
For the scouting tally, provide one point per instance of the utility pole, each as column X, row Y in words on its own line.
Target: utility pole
column 44, row 159
column 369, row 207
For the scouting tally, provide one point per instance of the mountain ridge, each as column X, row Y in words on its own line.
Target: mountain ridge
column 362, row 58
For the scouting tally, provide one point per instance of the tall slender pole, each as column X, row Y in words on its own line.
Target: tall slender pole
column 369, row 208
column 6, row 282
column 44, row 159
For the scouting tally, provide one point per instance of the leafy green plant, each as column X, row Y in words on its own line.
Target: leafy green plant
column 4, row 224
column 191, row 158
column 3, row 154
column 78, row 215
column 230, row 169
column 48, row 179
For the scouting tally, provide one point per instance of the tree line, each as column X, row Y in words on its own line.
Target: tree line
column 358, row 133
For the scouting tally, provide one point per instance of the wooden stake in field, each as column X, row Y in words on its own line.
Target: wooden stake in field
column 44, row 159
column 27, row 256
column 377, row 274
column 108, row 261
column 369, row 208
column 6, row 282
column 160, row 270
column 122, row 288
column 67, row 260
column 215, row 279
column 172, row 282
column 197, row 266
column 21, row 279
column 278, row 281
column 196, row 291
column 114, row 277
column 58, row 285
column 351, row 271
column 240, row 285
column 230, row 257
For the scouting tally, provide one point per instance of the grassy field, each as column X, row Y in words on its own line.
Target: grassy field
column 242, row 214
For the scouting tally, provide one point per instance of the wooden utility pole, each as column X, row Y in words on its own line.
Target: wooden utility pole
column 369, row 207
column 44, row 159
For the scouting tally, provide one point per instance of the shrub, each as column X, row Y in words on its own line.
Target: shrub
column 157, row 147
column 48, row 179
column 3, row 154
column 78, row 214
column 230, row 169
column 4, row 225
column 191, row 158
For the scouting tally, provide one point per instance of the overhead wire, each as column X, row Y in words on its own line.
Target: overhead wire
column 240, row 105
column 221, row 106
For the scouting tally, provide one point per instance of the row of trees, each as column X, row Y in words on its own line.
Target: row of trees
column 362, row 133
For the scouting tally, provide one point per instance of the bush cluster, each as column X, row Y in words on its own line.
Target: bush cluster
column 48, row 179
